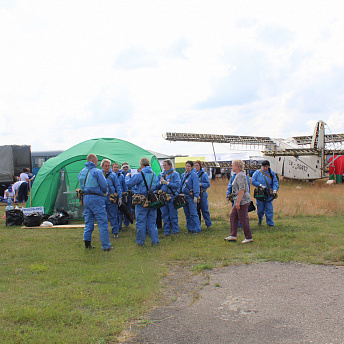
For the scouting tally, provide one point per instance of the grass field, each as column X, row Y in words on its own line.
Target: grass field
column 54, row 291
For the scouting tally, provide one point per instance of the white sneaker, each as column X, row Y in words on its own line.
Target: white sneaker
column 246, row 241
column 231, row 238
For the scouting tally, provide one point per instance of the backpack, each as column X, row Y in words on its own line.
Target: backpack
column 33, row 220
column 152, row 197
column 61, row 217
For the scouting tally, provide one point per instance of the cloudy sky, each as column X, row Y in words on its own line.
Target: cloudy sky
column 75, row 70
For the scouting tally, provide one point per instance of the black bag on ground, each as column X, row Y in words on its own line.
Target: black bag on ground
column 45, row 217
column 61, row 217
column 14, row 217
column 251, row 207
column 33, row 220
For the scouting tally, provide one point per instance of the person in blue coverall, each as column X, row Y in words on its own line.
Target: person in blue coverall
column 124, row 188
column 126, row 172
column 190, row 181
column 145, row 217
column 169, row 181
column 229, row 189
column 95, row 187
column 204, row 184
column 113, row 187
column 267, row 179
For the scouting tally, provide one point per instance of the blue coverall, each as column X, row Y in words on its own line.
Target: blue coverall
column 95, row 203
column 229, row 189
column 190, row 181
column 127, row 177
column 112, row 208
column 203, row 204
column 145, row 217
column 168, row 212
column 265, row 206
column 124, row 188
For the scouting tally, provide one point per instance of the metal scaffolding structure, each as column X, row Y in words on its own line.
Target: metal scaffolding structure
column 329, row 138
column 303, row 152
column 293, row 152
column 234, row 139
column 228, row 165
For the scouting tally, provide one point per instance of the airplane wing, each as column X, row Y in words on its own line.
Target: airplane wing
column 261, row 140
column 253, row 140
column 329, row 138
column 250, row 140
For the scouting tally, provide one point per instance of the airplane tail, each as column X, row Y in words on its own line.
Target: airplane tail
column 318, row 139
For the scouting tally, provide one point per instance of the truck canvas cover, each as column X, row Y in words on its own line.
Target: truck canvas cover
column 13, row 159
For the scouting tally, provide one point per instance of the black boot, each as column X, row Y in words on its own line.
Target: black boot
column 88, row 244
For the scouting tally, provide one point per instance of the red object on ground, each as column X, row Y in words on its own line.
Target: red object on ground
column 338, row 166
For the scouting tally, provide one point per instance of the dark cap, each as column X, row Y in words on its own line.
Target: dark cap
column 266, row 163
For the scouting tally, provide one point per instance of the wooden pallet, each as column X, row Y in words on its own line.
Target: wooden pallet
column 60, row 226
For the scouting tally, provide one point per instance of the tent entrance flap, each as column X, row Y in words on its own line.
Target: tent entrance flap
column 66, row 197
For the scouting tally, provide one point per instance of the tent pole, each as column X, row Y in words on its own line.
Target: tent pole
column 30, row 193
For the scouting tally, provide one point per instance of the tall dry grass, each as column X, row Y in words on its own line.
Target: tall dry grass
column 295, row 198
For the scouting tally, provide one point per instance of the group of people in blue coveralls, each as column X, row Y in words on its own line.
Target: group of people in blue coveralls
column 267, row 179
column 193, row 184
column 97, row 185
column 170, row 182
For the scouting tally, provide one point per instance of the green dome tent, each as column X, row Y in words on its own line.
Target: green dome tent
column 57, row 179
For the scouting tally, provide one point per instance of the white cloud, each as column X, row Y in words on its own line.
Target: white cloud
column 72, row 71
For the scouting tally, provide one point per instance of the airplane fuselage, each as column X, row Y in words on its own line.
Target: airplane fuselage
column 303, row 168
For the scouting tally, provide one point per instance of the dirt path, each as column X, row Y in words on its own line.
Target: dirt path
column 257, row 303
